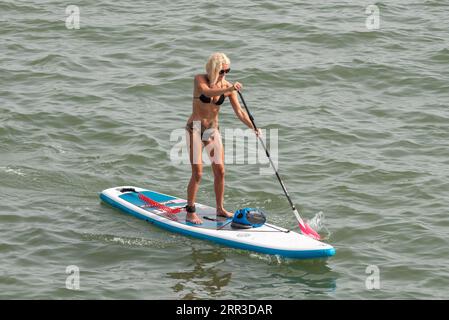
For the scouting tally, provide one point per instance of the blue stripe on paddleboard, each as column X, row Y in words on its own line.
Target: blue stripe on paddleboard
column 302, row 254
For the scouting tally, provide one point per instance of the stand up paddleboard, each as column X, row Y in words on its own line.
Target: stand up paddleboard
column 267, row 239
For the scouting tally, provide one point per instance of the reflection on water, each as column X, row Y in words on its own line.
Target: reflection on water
column 205, row 277
column 208, row 276
column 314, row 276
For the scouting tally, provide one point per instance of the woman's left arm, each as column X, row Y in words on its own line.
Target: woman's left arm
column 243, row 116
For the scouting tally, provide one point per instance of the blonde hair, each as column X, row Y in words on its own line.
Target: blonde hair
column 213, row 66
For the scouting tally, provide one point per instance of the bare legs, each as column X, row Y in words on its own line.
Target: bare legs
column 192, row 189
column 195, row 152
column 214, row 147
column 219, row 173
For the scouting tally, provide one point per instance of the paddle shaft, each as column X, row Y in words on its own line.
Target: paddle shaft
column 271, row 162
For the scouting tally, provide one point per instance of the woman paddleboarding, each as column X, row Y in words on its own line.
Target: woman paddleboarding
column 210, row 91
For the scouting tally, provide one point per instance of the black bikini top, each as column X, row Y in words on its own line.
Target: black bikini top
column 206, row 99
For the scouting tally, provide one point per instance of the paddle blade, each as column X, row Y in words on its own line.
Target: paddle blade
column 305, row 228
column 308, row 231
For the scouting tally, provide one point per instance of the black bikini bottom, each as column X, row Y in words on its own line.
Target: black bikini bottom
column 204, row 136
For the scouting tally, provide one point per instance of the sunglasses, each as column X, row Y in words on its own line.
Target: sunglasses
column 225, row 71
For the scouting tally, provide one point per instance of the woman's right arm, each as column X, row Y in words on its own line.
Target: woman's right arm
column 204, row 87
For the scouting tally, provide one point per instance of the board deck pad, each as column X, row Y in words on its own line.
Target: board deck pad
column 206, row 213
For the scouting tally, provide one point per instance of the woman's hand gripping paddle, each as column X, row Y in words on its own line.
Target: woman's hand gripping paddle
column 305, row 228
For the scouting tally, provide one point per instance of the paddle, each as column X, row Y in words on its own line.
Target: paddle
column 305, row 228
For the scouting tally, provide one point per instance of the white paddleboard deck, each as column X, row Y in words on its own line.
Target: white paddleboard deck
column 268, row 239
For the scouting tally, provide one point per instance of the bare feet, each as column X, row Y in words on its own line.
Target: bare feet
column 224, row 213
column 193, row 218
